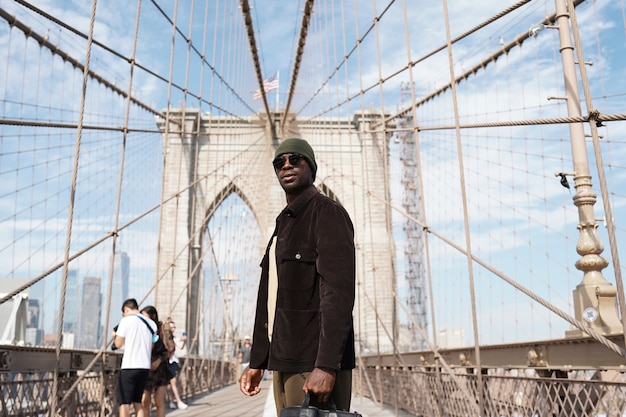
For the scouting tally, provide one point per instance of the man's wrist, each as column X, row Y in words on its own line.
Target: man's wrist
column 330, row 371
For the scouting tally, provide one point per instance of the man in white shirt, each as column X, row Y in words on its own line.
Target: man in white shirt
column 136, row 334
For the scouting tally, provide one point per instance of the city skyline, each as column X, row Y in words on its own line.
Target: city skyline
column 85, row 295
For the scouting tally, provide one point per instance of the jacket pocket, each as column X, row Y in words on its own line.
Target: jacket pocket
column 296, row 268
column 295, row 335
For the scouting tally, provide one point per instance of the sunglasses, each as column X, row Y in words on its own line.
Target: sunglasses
column 294, row 160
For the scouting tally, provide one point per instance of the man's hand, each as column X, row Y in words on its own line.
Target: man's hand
column 320, row 382
column 250, row 380
column 119, row 341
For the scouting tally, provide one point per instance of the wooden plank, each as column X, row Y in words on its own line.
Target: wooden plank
column 230, row 402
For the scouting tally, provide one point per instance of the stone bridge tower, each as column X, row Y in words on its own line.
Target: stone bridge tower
column 205, row 153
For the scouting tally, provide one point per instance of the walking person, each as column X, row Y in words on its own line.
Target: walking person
column 159, row 377
column 243, row 357
column 175, row 346
column 136, row 334
column 303, row 328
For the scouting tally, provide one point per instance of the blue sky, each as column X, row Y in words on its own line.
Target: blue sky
column 525, row 239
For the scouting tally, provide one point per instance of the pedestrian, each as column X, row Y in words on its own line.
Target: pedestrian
column 136, row 334
column 175, row 346
column 159, row 377
column 303, row 329
column 243, row 357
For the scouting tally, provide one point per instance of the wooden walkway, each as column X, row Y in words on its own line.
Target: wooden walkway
column 230, row 402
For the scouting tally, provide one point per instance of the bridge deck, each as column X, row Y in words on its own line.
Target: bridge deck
column 230, row 402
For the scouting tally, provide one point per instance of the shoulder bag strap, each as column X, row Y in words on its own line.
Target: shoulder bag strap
column 147, row 324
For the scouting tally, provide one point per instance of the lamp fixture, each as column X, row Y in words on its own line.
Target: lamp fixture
column 536, row 28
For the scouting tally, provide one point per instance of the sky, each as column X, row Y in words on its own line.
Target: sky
column 505, row 91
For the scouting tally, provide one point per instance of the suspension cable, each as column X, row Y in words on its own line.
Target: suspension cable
column 304, row 28
column 247, row 16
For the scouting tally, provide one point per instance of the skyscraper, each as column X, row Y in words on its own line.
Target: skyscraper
column 34, row 328
column 119, row 292
column 71, row 312
column 90, row 319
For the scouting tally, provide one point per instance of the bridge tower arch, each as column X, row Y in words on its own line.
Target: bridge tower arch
column 207, row 158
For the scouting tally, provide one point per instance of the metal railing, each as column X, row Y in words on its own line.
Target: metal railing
column 561, row 377
column 516, row 393
column 411, row 382
column 27, row 374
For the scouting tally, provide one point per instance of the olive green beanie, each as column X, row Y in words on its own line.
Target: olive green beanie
column 301, row 146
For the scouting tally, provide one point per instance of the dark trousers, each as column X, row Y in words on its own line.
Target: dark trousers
column 288, row 390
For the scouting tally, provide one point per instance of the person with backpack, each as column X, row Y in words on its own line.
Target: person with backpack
column 136, row 334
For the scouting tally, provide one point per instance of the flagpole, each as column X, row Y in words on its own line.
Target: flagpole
column 277, row 88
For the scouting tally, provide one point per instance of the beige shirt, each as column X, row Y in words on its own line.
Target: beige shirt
column 272, row 289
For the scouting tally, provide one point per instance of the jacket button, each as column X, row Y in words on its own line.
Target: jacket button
column 298, row 256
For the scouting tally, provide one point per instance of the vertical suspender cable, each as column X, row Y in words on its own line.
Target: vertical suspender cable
column 420, row 178
column 478, row 369
column 180, row 137
column 192, row 251
column 365, row 174
column 380, row 142
column 70, row 214
column 384, row 156
column 118, row 200
column 166, row 143
column 354, row 137
column 105, row 341
column 201, row 287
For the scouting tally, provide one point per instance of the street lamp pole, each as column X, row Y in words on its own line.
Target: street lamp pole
column 594, row 297
column 228, row 279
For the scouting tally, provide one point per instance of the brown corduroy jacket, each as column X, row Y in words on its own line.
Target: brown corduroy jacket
column 315, row 261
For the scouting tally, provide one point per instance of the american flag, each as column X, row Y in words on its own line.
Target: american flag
column 269, row 84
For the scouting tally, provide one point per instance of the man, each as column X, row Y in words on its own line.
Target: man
column 136, row 333
column 244, row 353
column 303, row 328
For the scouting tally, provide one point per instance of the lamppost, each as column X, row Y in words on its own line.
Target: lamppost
column 594, row 298
column 227, row 281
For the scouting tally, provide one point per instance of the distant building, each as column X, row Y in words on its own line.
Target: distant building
column 71, row 312
column 50, row 339
column 34, row 336
column 451, row 338
column 119, row 293
column 90, row 317
column 68, row 341
column 34, row 324
column 409, row 338
column 34, row 314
